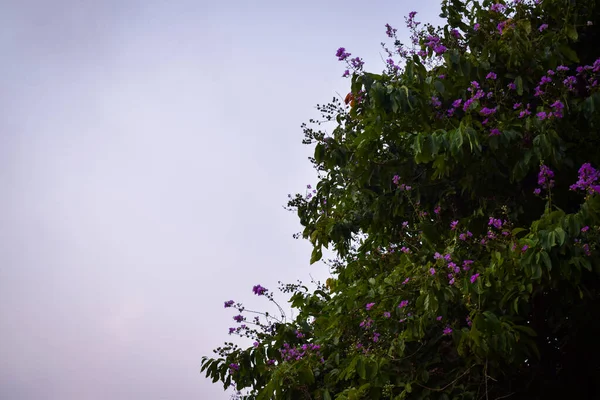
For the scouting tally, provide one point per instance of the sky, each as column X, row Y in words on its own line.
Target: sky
column 146, row 151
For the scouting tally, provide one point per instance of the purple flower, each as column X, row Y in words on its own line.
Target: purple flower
column 468, row 104
column 259, row 290
column 455, row 33
column 501, row 26
column 469, row 321
column 474, row 278
column 543, row 27
column 537, row 191
column 432, row 271
column 542, row 115
column 495, row 132
column 524, row 113
column 255, row 344
column 496, row 223
column 456, row 103
column 369, row 306
column 391, row 32
column 341, row 54
column 524, row 248
column 387, row 314
column 238, row 318
column 439, row 317
column 234, row 367
column 440, row 49
column 403, row 304
column 437, row 256
column 406, row 281
column 436, row 102
column 562, row 68
column 231, row 330
column 376, row 336
column 487, row 111
column 346, row 74
column 517, row 105
column 545, row 177
column 538, row 91
column 447, row 330
column 585, row 229
column 588, row 176
column 229, row 303
column 396, row 180
column 497, row 7
column 476, row 27
column 512, row 86
column 453, row 225
column 447, row 257
column 442, row 76
column 357, row 63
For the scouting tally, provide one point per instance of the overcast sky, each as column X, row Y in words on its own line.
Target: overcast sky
column 146, row 149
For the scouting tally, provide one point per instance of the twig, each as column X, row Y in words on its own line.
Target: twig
column 451, row 383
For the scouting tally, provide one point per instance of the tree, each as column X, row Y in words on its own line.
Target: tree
column 459, row 193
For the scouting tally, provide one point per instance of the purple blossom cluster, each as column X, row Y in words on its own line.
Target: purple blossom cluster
column 434, row 43
column 401, row 186
column 545, row 179
column 587, row 180
column 290, row 353
column 366, row 324
column 259, row 290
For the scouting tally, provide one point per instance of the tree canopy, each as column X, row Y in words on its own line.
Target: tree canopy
column 459, row 192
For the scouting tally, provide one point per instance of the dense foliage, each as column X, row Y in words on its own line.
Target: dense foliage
column 459, row 193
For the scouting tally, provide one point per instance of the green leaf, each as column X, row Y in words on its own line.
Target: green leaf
column 306, row 374
column 439, row 86
column 560, row 234
column 572, row 32
column 316, row 255
column 536, row 271
column 519, row 85
column 525, row 329
column 431, row 303
column 546, row 260
column 516, row 231
column 569, row 53
column 361, row 368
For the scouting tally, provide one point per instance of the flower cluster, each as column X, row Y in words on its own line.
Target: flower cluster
column 587, row 180
column 259, row 290
column 401, row 186
column 290, row 353
column 545, row 179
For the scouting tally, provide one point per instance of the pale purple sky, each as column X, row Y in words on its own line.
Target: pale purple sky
column 146, row 149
